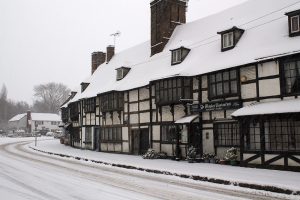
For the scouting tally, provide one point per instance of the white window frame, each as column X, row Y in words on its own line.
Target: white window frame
column 176, row 56
column 120, row 73
column 228, row 40
column 298, row 19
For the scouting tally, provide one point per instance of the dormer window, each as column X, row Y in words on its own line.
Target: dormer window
column 294, row 23
column 178, row 55
column 122, row 72
column 230, row 37
column 84, row 86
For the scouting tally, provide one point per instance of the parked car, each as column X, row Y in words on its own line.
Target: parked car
column 50, row 134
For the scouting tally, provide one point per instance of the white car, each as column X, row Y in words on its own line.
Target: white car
column 51, row 134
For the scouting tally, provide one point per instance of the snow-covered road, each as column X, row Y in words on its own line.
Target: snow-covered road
column 28, row 175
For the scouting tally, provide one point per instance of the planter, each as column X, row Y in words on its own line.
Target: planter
column 212, row 160
column 224, row 162
column 199, row 160
column 233, row 162
column 206, row 160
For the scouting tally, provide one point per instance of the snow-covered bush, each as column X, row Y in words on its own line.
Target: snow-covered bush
column 151, row 154
column 191, row 154
column 231, row 154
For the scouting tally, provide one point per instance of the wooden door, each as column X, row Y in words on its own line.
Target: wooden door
column 135, row 135
column 195, row 137
column 97, row 139
column 144, row 140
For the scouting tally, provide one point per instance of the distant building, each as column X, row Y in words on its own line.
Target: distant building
column 30, row 122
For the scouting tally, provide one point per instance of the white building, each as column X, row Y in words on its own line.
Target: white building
column 240, row 69
column 30, row 122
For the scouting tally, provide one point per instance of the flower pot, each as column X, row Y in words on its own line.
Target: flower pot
column 233, row 162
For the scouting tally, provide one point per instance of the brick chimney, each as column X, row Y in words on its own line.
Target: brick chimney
column 29, row 121
column 110, row 52
column 98, row 58
column 165, row 16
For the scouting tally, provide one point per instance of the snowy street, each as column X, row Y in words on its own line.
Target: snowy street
column 25, row 174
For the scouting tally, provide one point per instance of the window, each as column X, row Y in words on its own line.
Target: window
column 170, row 91
column 65, row 114
column 88, row 135
column 90, row 105
column 168, row 133
column 39, row 122
column 223, row 84
column 291, row 71
column 76, row 134
column 74, row 111
column 111, row 134
column 178, row 55
column 54, row 123
column 295, row 24
column 228, row 40
column 230, row 37
column 227, row 134
column 282, row 134
column 252, row 137
column 84, row 86
column 122, row 72
column 113, row 101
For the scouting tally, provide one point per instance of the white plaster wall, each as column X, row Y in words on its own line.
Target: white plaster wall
column 195, row 96
column 270, row 100
column 204, row 81
column 144, row 93
column 124, row 133
column 133, row 95
column 293, row 163
column 153, row 104
column 126, row 147
column 154, row 116
column 125, row 107
column 256, row 161
column 97, row 121
column 156, row 146
column 97, row 110
column 156, row 132
column 87, row 119
column 167, row 148
column 205, row 116
column 145, row 117
column 266, row 90
column 228, row 113
column 218, row 114
column 268, row 69
column 208, row 144
column 103, row 146
column 110, row 147
column 166, row 114
column 134, row 118
column 83, row 137
column 249, row 72
column 133, row 107
column 178, row 112
column 204, row 96
column 125, row 96
column 144, row 105
column 248, row 91
column 108, row 119
column 195, row 83
column 116, row 118
column 118, row 148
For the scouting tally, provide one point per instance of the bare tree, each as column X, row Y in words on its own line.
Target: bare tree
column 49, row 97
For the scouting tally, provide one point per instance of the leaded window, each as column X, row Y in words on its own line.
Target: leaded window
column 227, row 134
column 292, row 77
column 111, row 134
column 113, row 101
column 168, row 133
column 74, row 111
column 88, row 135
column 90, row 105
column 170, row 91
column 178, row 55
column 223, row 84
column 252, row 139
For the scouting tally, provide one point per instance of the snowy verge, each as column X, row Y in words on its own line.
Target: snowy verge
column 281, row 182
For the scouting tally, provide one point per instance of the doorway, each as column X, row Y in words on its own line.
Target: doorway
column 140, row 141
column 97, row 139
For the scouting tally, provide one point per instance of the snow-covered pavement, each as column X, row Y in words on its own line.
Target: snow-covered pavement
column 27, row 174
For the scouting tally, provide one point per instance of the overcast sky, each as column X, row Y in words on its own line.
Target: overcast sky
column 52, row 40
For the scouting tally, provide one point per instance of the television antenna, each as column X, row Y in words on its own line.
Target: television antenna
column 115, row 35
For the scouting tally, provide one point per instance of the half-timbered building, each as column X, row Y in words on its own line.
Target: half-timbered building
column 231, row 79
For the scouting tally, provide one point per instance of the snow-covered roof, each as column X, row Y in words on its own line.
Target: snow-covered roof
column 277, row 107
column 266, row 36
column 187, row 119
column 38, row 117
column 17, row 117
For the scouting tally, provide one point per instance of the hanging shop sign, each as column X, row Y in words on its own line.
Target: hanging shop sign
column 224, row 105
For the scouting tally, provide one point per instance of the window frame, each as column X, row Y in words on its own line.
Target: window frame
column 178, row 55
column 230, row 38
column 111, row 135
column 90, row 105
column 283, row 77
column 112, row 101
column 291, row 24
column 165, row 87
column 168, row 136
column 122, row 72
column 74, row 111
column 229, row 81
column 223, row 140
